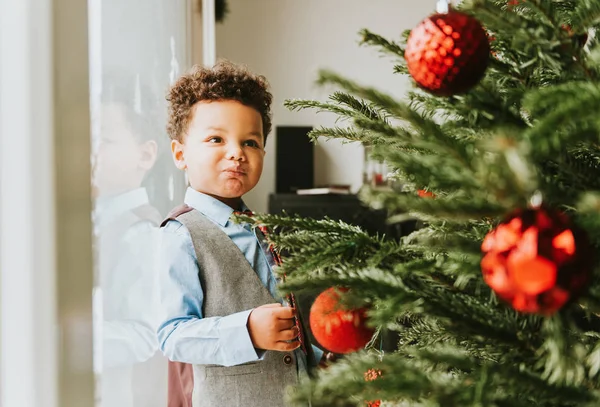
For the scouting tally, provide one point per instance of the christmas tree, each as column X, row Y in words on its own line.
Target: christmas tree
column 494, row 299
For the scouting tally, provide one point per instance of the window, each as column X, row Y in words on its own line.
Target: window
column 137, row 48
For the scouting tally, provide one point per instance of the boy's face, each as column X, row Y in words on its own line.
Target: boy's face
column 120, row 160
column 223, row 150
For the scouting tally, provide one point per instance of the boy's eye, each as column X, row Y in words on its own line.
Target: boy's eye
column 251, row 143
column 215, row 139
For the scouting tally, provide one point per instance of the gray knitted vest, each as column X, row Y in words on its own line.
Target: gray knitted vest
column 230, row 285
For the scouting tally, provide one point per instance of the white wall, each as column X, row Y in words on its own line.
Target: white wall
column 289, row 40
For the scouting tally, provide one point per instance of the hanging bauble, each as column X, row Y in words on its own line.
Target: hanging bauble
column 536, row 260
column 447, row 53
column 338, row 329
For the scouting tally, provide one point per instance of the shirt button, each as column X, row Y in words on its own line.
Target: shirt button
column 287, row 359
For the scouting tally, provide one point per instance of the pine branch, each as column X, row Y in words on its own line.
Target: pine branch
column 400, row 69
column 556, row 184
column 345, row 382
column 386, row 46
column 555, row 108
column 435, row 171
column 539, row 49
column 301, row 104
column 345, row 133
column 584, row 166
column 592, row 361
column 588, row 216
column 354, row 108
column 424, row 334
column 410, row 287
column 453, row 208
column 325, row 225
column 561, row 358
column 568, row 175
column 323, row 253
column 394, row 136
column 544, row 12
column 371, row 283
column 398, row 291
column 586, row 14
column 464, row 313
column 494, row 379
column 368, row 132
column 367, row 110
column 429, row 131
column 312, row 246
column 420, row 375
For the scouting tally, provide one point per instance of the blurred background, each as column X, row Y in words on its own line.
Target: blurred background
column 86, row 173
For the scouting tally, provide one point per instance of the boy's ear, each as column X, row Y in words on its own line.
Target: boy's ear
column 149, row 151
column 177, row 152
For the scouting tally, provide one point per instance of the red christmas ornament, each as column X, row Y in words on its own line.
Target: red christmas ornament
column 337, row 329
column 536, row 260
column 371, row 375
column 447, row 53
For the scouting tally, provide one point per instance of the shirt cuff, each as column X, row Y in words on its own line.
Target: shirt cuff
column 318, row 353
column 236, row 340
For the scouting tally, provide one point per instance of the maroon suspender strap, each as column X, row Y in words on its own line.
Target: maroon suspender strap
column 181, row 375
column 263, row 233
column 179, row 210
column 291, row 298
column 181, row 384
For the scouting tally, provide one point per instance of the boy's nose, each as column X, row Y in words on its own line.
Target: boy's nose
column 235, row 153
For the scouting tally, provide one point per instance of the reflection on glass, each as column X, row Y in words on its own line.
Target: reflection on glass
column 136, row 47
column 124, row 229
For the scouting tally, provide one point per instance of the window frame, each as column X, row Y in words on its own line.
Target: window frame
column 45, row 205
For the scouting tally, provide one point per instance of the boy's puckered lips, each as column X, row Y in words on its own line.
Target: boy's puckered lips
column 235, row 170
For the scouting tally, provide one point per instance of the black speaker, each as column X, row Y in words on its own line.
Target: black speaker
column 294, row 167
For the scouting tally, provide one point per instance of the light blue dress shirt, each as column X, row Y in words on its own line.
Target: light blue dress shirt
column 184, row 334
column 125, row 300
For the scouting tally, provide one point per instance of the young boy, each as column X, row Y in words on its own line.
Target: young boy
column 222, row 319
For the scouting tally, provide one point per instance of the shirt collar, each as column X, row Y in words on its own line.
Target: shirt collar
column 110, row 207
column 212, row 208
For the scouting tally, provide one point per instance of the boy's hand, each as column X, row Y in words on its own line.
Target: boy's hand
column 272, row 327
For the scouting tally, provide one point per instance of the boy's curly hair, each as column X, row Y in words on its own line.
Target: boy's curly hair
column 224, row 81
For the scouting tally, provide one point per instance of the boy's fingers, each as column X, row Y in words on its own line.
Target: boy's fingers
column 285, row 313
column 288, row 346
column 285, row 324
column 288, row 327
column 273, row 305
column 289, row 334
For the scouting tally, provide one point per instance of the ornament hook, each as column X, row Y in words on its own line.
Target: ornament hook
column 443, row 6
